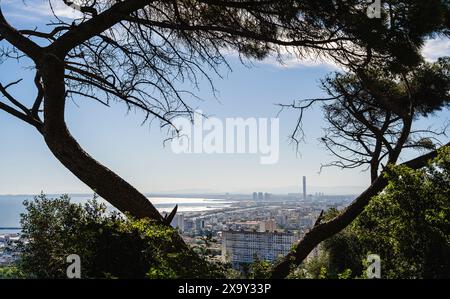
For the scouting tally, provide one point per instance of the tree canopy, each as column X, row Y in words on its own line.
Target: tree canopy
column 407, row 226
column 109, row 245
column 371, row 115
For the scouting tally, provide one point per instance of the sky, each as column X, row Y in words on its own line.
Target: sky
column 118, row 139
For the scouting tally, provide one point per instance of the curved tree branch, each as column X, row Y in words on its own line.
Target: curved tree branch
column 328, row 229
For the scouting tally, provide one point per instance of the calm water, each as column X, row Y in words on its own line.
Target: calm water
column 11, row 206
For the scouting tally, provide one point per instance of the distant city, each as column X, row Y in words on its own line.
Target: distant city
column 259, row 225
column 263, row 226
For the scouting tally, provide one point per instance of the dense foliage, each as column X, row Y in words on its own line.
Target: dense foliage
column 109, row 245
column 10, row 272
column 408, row 226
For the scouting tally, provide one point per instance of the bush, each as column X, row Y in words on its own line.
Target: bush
column 10, row 272
column 408, row 226
column 109, row 244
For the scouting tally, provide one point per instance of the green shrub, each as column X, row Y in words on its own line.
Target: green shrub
column 109, row 244
column 408, row 226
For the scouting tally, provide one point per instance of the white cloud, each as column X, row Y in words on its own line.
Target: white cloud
column 436, row 48
column 290, row 60
column 31, row 10
column 432, row 50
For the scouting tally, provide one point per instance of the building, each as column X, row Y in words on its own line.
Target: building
column 260, row 196
column 199, row 225
column 243, row 225
column 267, row 226
column 189, row 225
column 178, row 222
column 306, row 221
column 255, row 195
column 281, row 219
column 266, row 196
column 241, row 247
column 304, row 188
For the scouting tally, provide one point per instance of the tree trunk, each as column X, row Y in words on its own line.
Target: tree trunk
column 66, row 149
column 328, row 229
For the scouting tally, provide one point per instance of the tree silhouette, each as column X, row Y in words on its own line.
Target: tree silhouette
column 371, row 115
column 136, row 51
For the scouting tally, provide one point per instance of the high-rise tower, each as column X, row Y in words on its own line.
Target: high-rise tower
column 304, row 187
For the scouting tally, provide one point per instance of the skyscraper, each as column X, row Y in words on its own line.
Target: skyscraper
column 178, row 222
column 304, row 187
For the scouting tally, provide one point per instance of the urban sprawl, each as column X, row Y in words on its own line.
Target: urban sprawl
column 260, row 226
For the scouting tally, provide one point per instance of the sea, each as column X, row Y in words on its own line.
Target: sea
column 11, row 206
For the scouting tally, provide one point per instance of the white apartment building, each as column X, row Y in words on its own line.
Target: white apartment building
column 267, row 226
column 241, row 247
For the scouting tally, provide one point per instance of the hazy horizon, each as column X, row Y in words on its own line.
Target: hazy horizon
column 328, row 190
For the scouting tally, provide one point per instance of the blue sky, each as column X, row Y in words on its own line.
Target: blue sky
column 137, row 153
